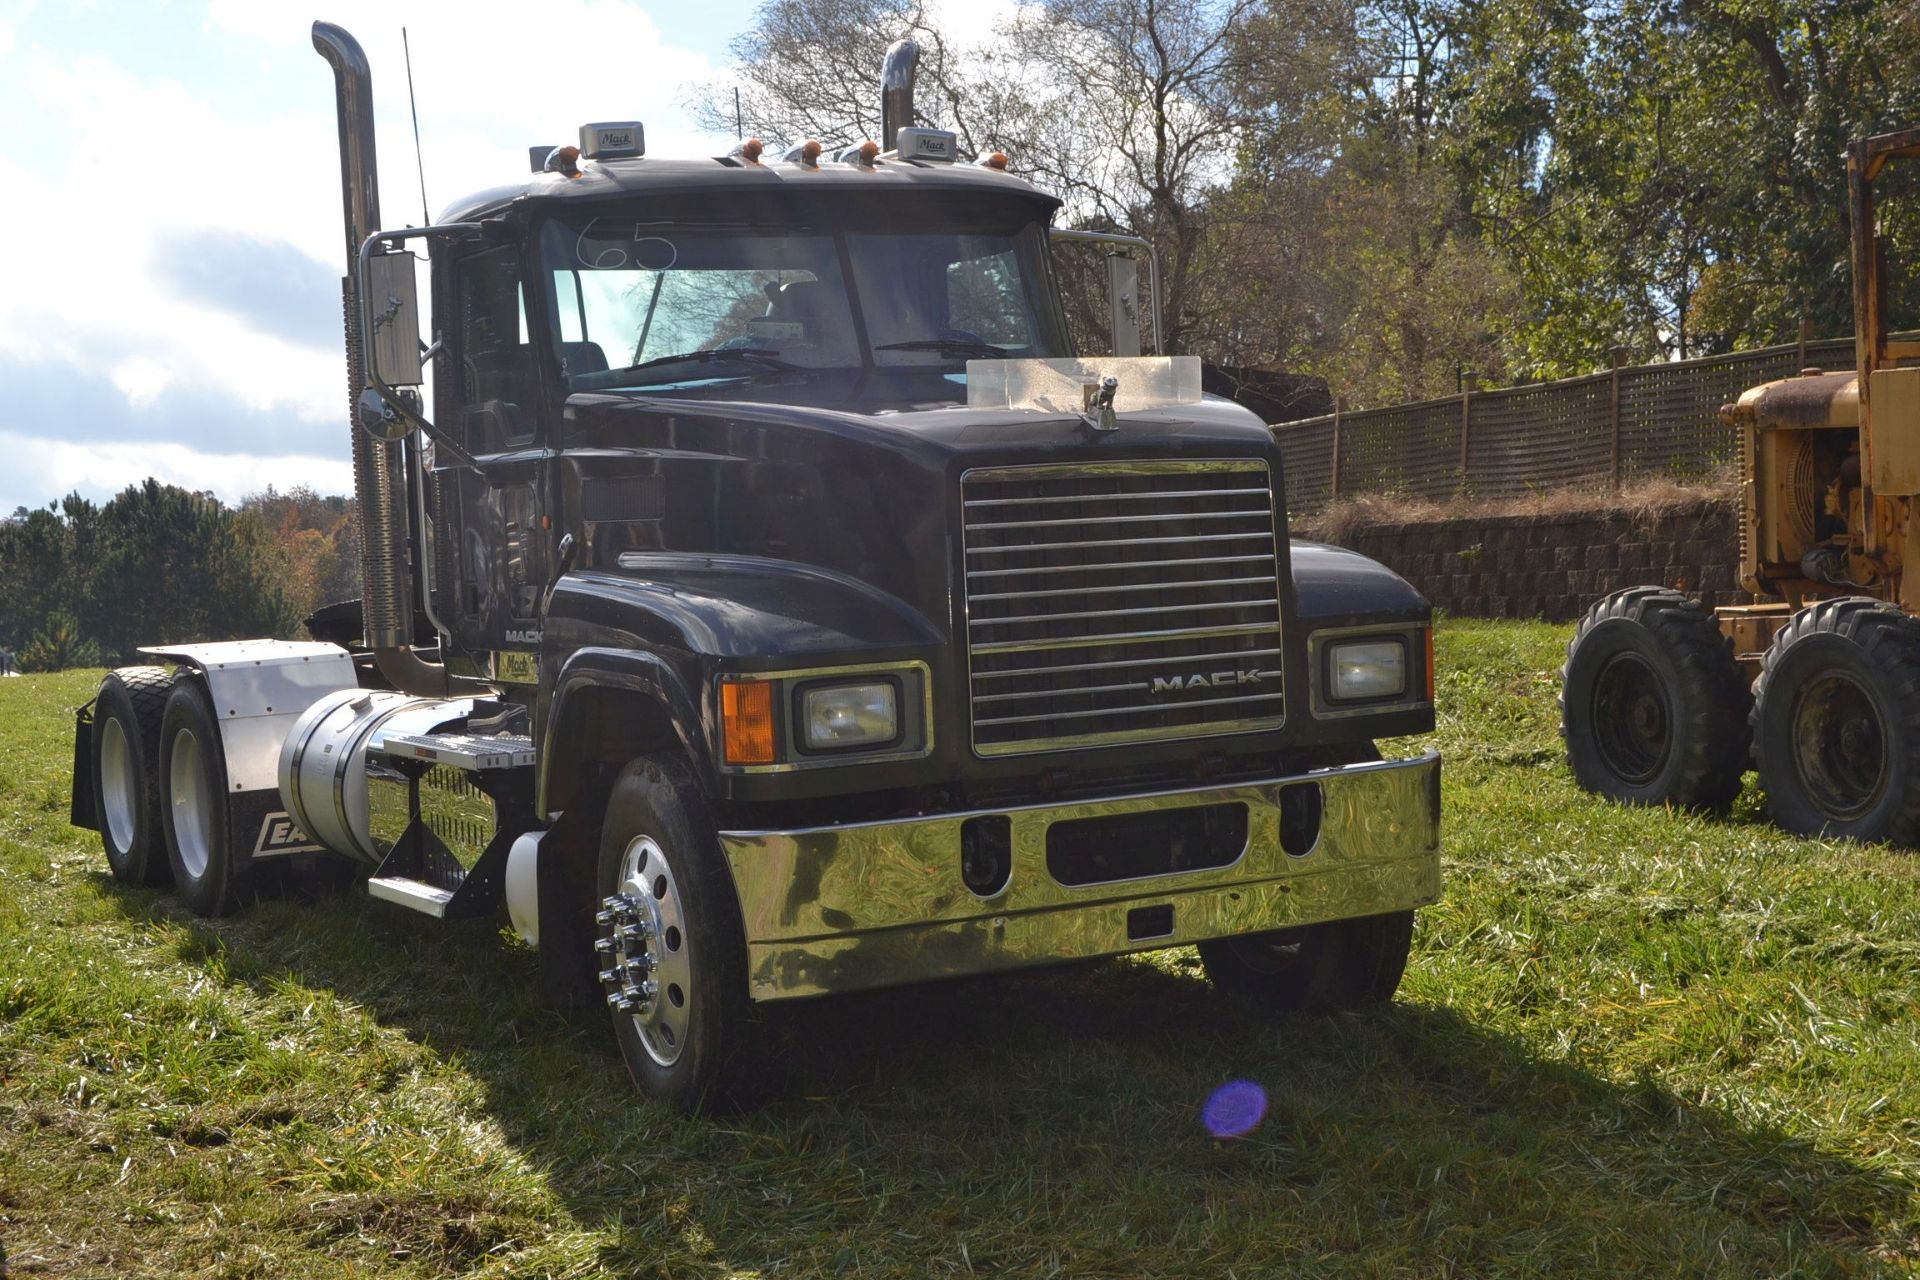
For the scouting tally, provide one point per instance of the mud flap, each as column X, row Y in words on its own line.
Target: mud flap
column 80, row 811
column 259, row 829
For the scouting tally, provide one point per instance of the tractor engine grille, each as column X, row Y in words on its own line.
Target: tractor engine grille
column 1115, row 602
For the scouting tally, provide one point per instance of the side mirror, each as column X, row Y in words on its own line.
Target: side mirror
column 1123, row 285
column 393, row 319
column 1123, row 301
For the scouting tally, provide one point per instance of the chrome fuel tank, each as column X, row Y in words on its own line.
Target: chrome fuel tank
column 333, row 756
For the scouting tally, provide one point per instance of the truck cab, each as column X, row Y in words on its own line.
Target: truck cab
column 775, row 604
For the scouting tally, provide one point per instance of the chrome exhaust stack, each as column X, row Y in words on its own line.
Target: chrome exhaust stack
column 379, row 465
column 897, row 73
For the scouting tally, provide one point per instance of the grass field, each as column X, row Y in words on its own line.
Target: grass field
column 1628, row 1043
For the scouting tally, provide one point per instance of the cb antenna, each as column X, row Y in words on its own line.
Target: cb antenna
column 419, row 164
column 739, row 125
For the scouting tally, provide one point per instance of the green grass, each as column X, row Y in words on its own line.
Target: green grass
column 1629, row 1042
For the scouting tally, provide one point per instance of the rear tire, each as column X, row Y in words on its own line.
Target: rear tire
column 1836, row 722
column 671, row 953
column 1653, row 706
column 126, row 772
column 1329, row 967
column 193, row 778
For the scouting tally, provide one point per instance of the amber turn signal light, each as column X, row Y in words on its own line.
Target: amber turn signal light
column 746, row 721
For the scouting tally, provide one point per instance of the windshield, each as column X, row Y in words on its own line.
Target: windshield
column 647, row 305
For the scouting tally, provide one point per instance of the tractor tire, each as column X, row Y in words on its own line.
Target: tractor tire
column 1329, row 967
column 1836, row 722
column 1653, row 706
column 193, row 780
column 669, row 943
column 126, row 772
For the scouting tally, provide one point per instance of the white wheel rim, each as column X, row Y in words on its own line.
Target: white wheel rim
column 192, row 806
column 643, row 941
column 118, row 783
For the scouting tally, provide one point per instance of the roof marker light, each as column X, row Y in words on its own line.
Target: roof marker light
column 750, row 150
column 806, row 155
column 995, row 160
column 564, row 160
column 864, row 155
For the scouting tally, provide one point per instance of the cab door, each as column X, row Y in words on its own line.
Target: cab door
column 493, row 550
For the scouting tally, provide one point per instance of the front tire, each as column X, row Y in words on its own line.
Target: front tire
column 193, row 781
column 671, row 952
column 1653, row 707
column 1329, row 967
column 126, row 785
column 1836, row 722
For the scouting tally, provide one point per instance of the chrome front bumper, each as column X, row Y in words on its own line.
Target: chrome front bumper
column 831, row 909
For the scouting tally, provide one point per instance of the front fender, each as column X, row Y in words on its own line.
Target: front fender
column 669, row 624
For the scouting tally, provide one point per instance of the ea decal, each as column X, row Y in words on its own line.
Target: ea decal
column 279, row 834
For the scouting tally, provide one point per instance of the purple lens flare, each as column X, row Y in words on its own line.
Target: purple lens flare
column 1235, row 1109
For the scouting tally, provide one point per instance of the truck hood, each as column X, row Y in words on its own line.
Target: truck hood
column 915, row 413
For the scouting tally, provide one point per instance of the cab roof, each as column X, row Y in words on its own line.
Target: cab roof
column 730, row 175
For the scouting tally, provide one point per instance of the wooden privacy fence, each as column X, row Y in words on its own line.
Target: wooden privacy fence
column 1594, row 432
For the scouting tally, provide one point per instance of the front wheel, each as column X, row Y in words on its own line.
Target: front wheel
column 1652, row 703
column 671, row 954
column 1328, row 967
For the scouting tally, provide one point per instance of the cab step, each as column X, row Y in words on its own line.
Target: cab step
column 420, row 872
column 414, row 895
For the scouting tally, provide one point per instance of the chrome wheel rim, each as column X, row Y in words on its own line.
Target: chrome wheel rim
column 192, row 806
column 643, row 944
column 118, row 783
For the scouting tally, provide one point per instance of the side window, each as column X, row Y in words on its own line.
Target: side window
column 499, row 387
column 984, row 298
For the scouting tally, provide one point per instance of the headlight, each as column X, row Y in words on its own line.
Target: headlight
column 850, row 715
column 1362, row 670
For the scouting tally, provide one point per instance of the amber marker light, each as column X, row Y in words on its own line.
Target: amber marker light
column 746, row 721
column 750, row 150
column 810, row 153
column 995, row 160
column 869, row 152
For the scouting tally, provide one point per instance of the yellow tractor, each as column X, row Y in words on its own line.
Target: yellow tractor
column 1818, row 686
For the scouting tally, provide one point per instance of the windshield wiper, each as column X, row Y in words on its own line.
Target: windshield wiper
column 752, row 355
column 947, row 346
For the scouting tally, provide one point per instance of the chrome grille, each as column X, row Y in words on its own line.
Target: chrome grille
column 1112, row 602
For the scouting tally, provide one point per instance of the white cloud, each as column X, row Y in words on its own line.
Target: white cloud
column 144, row 157
column 141, row 380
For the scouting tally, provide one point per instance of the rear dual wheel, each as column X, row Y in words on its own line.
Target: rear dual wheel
column 193, row 782
column 126, row 763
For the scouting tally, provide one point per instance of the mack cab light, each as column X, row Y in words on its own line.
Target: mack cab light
column 619, row 141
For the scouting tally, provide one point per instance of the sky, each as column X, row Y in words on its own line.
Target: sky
column 170, row 304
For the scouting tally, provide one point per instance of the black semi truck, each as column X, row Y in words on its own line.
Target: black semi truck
column 774, row 604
